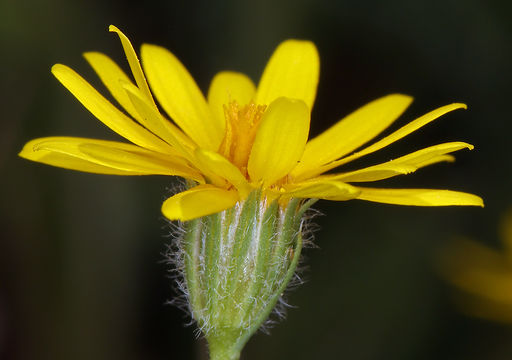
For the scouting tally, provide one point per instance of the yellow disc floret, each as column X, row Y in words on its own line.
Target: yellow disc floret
column 241, row 126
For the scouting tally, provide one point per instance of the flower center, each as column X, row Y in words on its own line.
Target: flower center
column 241, row 125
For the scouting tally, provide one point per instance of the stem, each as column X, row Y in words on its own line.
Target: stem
column 223, row 349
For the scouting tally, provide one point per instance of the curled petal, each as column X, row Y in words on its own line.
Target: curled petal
column 66, row 161
column 133, row 60
column 217, row 164
column 199, row 201
column 105, row 157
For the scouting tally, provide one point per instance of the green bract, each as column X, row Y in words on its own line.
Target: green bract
column 237, row 264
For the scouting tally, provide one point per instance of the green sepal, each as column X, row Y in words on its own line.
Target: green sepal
column 238, row 263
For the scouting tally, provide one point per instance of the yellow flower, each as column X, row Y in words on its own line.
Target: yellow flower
column 241, row 137
column 482, row 275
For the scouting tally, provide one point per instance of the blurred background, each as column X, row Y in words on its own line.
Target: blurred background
column 81, row 256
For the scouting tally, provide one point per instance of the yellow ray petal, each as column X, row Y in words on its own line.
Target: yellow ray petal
column 133, row 60
column 402, row 165
column 144, row 162
column 201, row 200
column 180, row 97
column 280, row 140
column 156, row 123
column 111, row 75
column 353, row 131
column 96, row 155
column 292, row 72
column 323, row 190
column 69, row 162
column 106, row 112
column 438, row 159
column 220, row 166
column 395, row 136
column 226, row 87
column 420, row 197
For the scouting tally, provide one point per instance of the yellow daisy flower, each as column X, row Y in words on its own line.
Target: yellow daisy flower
column 245, row 153
column 241, row 137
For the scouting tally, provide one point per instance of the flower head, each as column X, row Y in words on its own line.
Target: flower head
column 241, row 137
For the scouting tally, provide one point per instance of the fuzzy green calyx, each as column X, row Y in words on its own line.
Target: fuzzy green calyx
column 237, row 264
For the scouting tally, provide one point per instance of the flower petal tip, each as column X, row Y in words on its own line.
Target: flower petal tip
column 23, row 153
column 57, row 68
column 113, row 28
column 457, row 106
column 88, row 54
column 471, row 200
column 171, row 214
column 407, row 99
column 199, row 201
column 149, row 47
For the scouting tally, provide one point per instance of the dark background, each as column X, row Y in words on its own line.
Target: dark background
column 81, row 271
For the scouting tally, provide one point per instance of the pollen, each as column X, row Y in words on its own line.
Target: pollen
column 241, row 126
